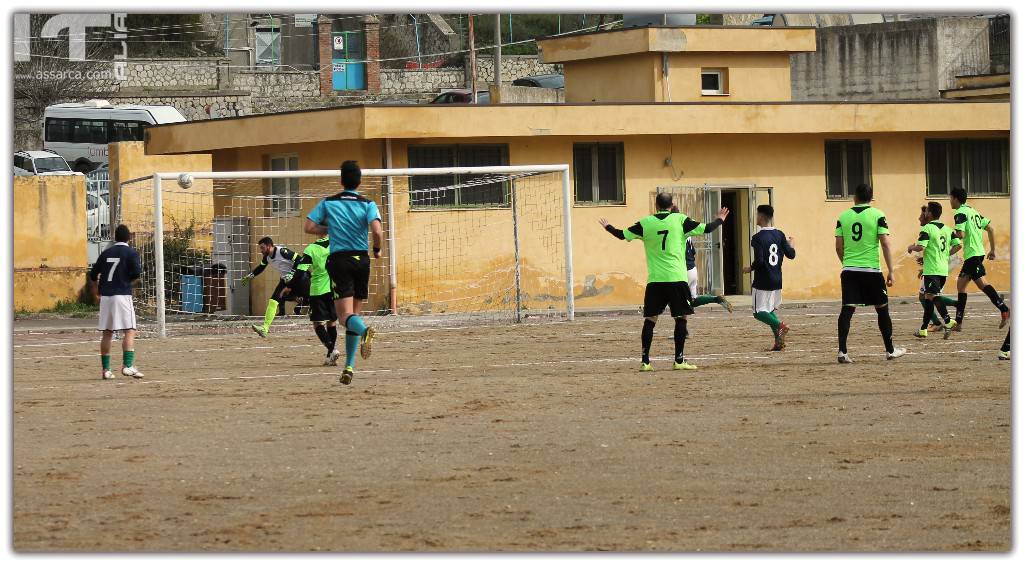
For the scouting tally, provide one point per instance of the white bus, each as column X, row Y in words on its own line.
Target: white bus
column 80, row 132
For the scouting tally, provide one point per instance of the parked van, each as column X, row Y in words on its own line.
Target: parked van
column 80, row 132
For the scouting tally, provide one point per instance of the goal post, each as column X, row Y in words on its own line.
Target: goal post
column 462, row 244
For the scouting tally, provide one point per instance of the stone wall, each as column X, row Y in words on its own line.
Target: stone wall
column 268, row 84
column 198, row 73
column 194, row 105
column 512, row 67
column 421, row 82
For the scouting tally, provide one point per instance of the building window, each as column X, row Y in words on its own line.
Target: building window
column 457, row 191
column 268, row 47
column 981, row 166
column 598, row 173
column 713, row 82
column 284, row 193
column 847, row 164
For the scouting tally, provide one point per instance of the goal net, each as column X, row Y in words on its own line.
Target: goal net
column 471, row 245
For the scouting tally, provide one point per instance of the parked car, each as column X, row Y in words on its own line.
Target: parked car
column 553, row 80
column 97, row 214
column 462, row 96
column 41, row 163
column 19, row 172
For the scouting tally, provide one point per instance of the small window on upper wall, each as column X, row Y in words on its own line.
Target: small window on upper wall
column 714, row 82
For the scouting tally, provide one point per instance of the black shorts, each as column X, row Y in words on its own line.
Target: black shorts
column 973, row 268
column 350, row 274
column 933, row 284
column 862, row 288
column 321, row 308
column 299, row 286
column 675, row 295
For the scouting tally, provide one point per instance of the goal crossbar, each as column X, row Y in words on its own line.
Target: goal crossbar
column 158, row 177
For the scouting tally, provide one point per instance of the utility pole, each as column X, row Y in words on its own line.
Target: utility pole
column 497, row 59
column 472, row 61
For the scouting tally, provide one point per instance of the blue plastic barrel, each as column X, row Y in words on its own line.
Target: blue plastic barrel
column 191, row 293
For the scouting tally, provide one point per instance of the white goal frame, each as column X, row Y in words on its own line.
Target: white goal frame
column 158, row 220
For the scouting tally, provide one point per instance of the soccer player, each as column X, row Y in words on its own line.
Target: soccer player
column 321, row 299
column 293, row 283
column 938, row 243
column 859, row 232
column 664, row 234
column 936, row 322
column 771, row 247
column 111, row 279
column 346, row 217
column 693, row 278
column 969, row 225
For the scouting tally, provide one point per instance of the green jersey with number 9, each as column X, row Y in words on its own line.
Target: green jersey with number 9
column 664, row 235
column 860, row 227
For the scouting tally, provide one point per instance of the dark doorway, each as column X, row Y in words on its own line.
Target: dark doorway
column 730, row 241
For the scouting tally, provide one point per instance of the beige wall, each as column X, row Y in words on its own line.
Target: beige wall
column 468, row 248
column 750, row 77
column 50, row 261
column 635, row 79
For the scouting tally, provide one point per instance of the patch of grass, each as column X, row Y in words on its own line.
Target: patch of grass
column 73, row 309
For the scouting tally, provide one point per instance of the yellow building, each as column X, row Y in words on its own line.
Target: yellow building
column 702, row 111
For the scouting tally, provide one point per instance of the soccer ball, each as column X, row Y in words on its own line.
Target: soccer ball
column 185, row 180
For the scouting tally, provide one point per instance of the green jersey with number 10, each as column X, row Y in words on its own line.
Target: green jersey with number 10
column 860, row 227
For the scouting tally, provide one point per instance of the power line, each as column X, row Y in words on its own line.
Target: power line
column 327, row 65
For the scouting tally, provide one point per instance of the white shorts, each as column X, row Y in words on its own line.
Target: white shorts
column 116, row 313
column 693, row 279
column 767, row 300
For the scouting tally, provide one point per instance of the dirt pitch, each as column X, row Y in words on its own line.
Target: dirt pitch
column 535, row 437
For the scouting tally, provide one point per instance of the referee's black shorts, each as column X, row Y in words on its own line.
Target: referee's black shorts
column 675, row 295
column 350, row 274
column 864, row 288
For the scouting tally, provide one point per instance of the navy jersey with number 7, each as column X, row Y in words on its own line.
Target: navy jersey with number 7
column 770, row 247
column 115, row 269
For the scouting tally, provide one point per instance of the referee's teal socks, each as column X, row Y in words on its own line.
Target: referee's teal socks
column 769, row 318
column 355, row 328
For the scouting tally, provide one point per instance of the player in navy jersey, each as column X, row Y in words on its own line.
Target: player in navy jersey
column 770, row 246
column 111, row 280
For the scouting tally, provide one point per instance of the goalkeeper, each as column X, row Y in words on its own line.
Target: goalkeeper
column 294, row 284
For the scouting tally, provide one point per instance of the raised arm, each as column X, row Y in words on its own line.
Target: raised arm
column 788, row 248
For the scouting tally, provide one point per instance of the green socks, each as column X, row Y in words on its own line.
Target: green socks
column 270, row 314
column 704, row 299
column 769, row 318
column 105, row 359
column 127, row 359
column 945, row 300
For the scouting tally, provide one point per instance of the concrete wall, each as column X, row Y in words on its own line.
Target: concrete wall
column 469, row 248
column 907, row 60
column 50, row 261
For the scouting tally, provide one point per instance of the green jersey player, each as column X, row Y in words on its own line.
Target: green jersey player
column 969, row 225
column 860, row 231
column 321, row 300
column 664, row 234
column 938, row 242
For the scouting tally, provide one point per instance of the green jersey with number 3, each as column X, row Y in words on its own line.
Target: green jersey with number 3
column 937, row 239
column 664, row 236
column 971, row 223
column 860, row 227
